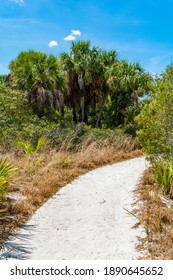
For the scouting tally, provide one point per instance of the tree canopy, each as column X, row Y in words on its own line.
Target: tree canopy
column 93, row 83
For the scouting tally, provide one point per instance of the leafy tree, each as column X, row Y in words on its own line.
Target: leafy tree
column 17, row 120
column 156, row 131
column 156, row 120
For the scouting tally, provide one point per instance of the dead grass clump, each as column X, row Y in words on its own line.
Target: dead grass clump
column 21, row 206
column 156, row 215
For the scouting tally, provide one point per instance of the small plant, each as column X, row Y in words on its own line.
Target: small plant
column 66, row 162
column 163, row 171
column 41, row 144
column 28, row 148
column 6, row 170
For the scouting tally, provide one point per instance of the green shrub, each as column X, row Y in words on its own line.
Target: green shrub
column 163, row 171
column 156, row 124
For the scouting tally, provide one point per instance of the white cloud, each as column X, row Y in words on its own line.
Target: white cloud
column 53, row 43
column 76, row 32
column 73, row 35
column 70, row 38
column 20, row 2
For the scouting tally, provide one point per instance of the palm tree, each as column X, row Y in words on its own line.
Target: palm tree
column 127, row 80
column 75, row 64
column 72, row 98
column 105, row 60
column 40, row 75
column 87, row 87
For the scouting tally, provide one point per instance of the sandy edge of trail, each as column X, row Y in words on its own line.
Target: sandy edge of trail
column 85, row 220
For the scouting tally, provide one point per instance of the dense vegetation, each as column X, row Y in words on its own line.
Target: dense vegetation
column 93, row 84
column 46, row 95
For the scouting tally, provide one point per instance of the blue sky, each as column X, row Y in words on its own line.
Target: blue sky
column 138, row 30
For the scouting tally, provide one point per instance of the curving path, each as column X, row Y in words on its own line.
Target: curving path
column 87, row 219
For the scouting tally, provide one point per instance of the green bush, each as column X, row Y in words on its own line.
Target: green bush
column 156, row 130
column 156, row 124
column 17, row 120
column 163, row 171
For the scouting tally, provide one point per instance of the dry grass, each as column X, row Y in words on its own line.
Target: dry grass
column 40, row 176
column 156, row 214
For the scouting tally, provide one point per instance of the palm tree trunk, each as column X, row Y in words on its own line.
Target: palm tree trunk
column 74, row 115
column 82, row 108
column 101, row 111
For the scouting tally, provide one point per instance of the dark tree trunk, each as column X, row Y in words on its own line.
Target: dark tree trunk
column 74, row 115
column 101, row 111
column 82, row 105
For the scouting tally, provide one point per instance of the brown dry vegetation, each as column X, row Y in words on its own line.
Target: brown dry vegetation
column 40, row 176
column 156, row 214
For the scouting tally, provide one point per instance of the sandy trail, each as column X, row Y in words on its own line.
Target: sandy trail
column 87, row 219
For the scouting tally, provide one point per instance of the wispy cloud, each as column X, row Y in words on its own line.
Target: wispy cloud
column 157, row 62
column 14, row 23
column 53, row 43
column 126, row 20
column 19, row 2
column 70, row 38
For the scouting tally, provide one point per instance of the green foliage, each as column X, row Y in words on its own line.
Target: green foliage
column 31, row 68
column 131, row 113
column 96, row 85
column 73, row 139
column 2, row 79
column 20, row 128
column 124, row 79
column 98, row 93
column 17, row 120
column 29, row 148
column 86, row 80
column 6, row 171
column 163, row 170
column 156, row 130
column 156, row 123
column 41, row 77
column 13, row 114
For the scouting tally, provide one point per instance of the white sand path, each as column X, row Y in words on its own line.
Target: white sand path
column 85, row 220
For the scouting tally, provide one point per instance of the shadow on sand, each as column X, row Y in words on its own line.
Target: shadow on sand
column 17, row 246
